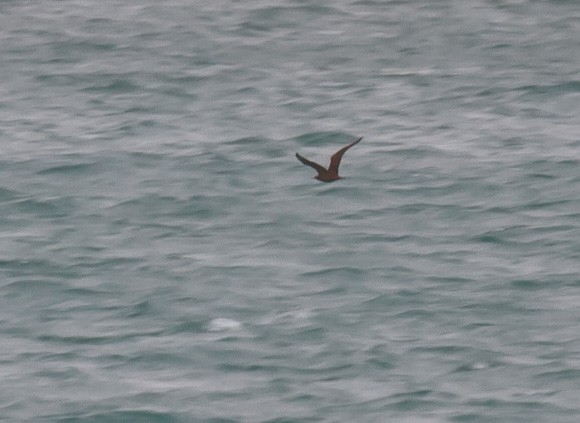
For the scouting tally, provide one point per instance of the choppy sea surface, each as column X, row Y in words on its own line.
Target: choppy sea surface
column 165, row 258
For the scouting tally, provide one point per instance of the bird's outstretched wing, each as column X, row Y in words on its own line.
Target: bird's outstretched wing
column 336, row 157
column 313, row 165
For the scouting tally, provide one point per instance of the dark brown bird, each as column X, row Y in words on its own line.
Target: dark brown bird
column 330, row 174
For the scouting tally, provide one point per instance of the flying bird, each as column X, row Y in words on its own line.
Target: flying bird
column 330, row 174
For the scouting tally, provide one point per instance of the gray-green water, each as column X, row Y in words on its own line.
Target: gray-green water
column 165, row 258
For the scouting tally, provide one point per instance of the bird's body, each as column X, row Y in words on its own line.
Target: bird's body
column 330, row 174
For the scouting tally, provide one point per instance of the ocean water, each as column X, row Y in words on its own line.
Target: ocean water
column 165, row 258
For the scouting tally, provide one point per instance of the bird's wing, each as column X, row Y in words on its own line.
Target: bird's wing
column 335, row 159
column 307, row 162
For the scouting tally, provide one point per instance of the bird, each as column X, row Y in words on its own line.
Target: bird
column 330, row 174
